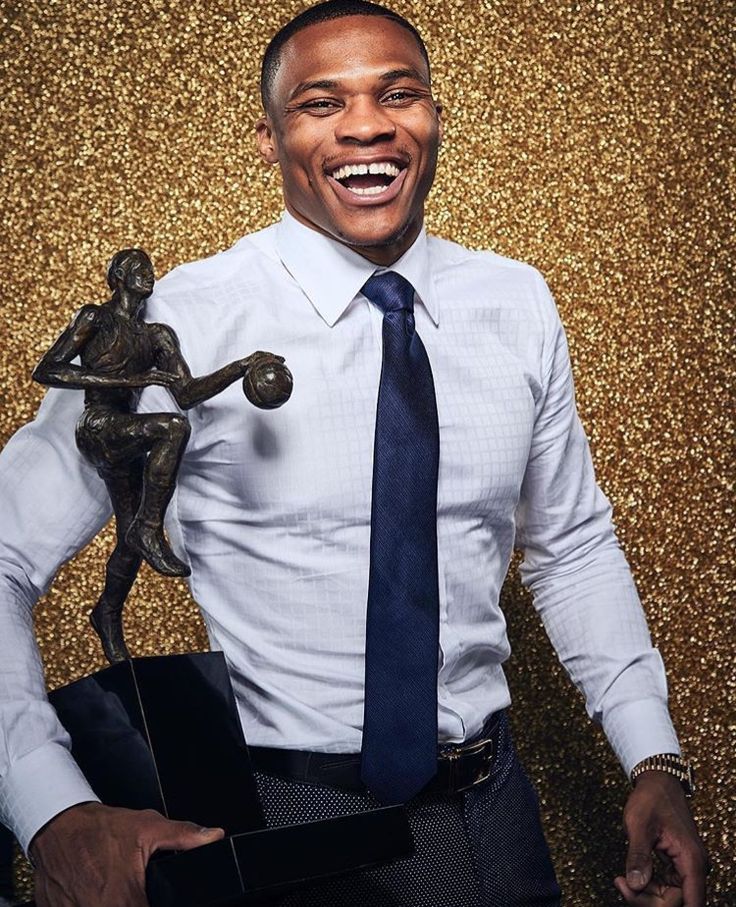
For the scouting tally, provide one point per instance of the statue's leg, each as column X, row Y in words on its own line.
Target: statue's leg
column 170, row 434
column 124, row 487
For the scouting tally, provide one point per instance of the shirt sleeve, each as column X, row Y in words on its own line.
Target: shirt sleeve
column 580, row 580
column 53, row 503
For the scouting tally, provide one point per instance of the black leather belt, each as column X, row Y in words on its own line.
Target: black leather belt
column 459, row 767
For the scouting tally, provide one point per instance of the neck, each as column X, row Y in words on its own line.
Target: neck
column 378, row 253
column 127, row 303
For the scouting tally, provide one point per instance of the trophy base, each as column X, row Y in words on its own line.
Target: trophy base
column 163, row 733
column 255, row 867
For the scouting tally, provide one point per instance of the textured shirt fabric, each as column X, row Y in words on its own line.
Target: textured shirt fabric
column 272, row 508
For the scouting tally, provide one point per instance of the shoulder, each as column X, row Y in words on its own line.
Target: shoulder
column 207, row 280
column 220, row 267
column 87, row 312
column 451, row 255
column 88, row 316
column 491, row 276
column 164, row 334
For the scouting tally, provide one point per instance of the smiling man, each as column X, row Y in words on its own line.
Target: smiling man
column 348, row 553
column 351, row 119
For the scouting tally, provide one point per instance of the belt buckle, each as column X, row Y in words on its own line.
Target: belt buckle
column 484, row 771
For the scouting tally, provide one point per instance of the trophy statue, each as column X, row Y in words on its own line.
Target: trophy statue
column 163, row 732
column 137, row 455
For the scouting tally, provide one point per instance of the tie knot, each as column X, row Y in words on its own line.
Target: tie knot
column 390, row 292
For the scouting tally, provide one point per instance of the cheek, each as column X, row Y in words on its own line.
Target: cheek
column 300, row 161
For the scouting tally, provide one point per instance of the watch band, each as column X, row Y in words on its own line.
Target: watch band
column 670, row 763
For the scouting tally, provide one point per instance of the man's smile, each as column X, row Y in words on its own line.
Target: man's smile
column 367, row 181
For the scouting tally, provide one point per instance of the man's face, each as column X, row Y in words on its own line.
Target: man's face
column 355, row 130
column 138, row 276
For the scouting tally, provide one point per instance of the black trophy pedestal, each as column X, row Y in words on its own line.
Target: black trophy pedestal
column 163, row 733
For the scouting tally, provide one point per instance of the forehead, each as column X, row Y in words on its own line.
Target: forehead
column 344, row 48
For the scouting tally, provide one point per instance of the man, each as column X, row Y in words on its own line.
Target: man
column 300, row 514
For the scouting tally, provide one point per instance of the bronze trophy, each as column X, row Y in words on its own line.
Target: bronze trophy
column 163, row 732
column 137, row 455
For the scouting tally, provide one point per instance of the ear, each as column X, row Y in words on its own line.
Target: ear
column 440, row 123
column 266, row 141
column 119, row 273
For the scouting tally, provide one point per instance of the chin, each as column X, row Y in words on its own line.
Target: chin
column 372, row 232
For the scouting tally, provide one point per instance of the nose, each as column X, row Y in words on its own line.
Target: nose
column 364, row 121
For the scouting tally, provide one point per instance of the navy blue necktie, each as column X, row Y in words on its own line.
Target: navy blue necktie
column 399, row 750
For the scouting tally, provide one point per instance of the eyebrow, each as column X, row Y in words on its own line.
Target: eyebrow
column 330, row 84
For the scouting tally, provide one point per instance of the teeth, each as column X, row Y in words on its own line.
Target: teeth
column 387, row 167
column 372, row 190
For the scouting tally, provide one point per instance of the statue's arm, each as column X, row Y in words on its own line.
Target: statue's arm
column 57, row 370
column 186, row 390
column 55, row 367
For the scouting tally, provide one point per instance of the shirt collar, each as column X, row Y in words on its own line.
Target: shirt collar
column 331, row 275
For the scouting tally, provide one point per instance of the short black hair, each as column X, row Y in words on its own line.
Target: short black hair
column 323, row 12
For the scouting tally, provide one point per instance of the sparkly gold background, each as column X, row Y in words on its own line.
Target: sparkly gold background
column 590, row 139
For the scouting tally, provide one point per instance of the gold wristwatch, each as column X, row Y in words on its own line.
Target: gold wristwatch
column 670, row 763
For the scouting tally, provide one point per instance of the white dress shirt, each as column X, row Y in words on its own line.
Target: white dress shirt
column 272, row 508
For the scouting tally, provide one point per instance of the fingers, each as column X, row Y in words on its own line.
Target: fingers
column 639, row 864
column 677, row 879
column 653, row 895
column 166, row 378
column 262, row 354
column 692, row 869
column 166, row 834
column 689, row 860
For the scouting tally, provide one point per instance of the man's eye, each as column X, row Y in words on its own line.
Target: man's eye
column 399, row 95
column 320, row 104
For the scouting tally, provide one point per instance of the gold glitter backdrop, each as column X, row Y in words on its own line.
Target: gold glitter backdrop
column 588, row 138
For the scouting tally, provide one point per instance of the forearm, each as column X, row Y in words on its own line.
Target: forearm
column 197, row 390
column 594, row 619
column 38, row 777
column 75, row 377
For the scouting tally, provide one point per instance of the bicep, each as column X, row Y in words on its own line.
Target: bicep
column 53, row 501
column 168, row 353
column 74, row 337
column 563, row 516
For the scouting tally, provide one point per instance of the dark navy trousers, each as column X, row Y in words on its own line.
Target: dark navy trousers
column 480, row 848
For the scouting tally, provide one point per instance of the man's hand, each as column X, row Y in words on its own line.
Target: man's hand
column 657, row 818
column 95, row 856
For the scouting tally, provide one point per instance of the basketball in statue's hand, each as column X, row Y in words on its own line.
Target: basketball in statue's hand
column 268, row 382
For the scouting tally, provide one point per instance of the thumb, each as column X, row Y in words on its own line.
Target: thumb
column 174, row 835
column 638, row 863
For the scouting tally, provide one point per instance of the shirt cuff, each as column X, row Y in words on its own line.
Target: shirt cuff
column 39, row 786
column 640, row 729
